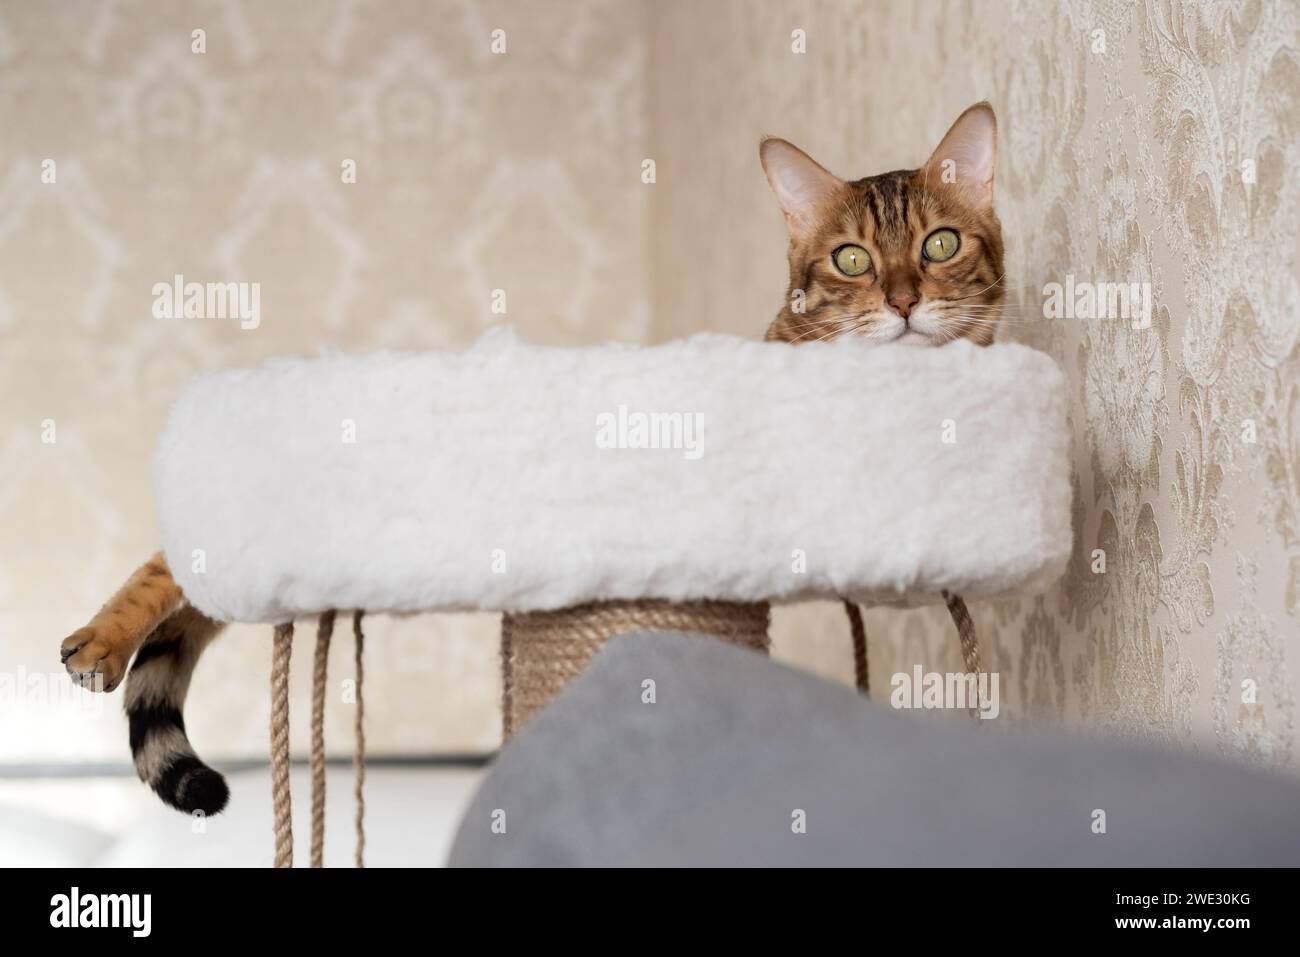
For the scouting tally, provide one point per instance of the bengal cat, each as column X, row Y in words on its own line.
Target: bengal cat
column 912, row 257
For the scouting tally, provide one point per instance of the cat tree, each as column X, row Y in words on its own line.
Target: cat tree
column 590, row 492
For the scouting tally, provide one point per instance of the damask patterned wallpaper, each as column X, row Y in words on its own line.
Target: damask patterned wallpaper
column 1144, row 142
column 475, row 171
column 1150, row 142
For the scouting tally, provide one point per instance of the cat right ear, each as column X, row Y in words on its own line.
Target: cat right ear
column 803, row 188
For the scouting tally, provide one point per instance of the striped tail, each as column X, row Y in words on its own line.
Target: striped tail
column 155, row 693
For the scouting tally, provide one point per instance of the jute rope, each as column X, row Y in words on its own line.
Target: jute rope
column 861, row 676
column 543, row 651
column 359, row 756
column 324, row 631
column 280, row 796
column 970, row 649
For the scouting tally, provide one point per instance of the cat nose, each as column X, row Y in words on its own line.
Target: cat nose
column 902, row 303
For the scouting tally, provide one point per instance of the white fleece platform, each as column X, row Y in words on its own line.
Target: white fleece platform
column 478, row 480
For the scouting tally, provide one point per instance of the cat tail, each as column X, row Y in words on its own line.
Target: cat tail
column 155, row 693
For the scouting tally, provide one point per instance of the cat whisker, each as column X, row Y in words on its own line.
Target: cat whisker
column 810, row 334
column 838, row 325
column 995, row 282
column 1018, row 320
column 825, row 320
column 837, row 332
column 991, row 314
column 808, row 327
column 988, row 325
column 968, row 322
column 817, row 333
column 976, row 322
column 984, row 306
column 996, row 320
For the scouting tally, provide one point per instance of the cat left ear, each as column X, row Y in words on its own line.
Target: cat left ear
column 802, row 186
column 966, row 155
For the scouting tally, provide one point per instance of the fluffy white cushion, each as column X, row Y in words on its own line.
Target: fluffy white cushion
column 442, row 481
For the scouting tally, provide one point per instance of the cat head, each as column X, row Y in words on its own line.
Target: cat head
column 912, row 256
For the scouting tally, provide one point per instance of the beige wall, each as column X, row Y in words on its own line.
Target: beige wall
column 522, row 172
column 1122, row 165
column 475, row 172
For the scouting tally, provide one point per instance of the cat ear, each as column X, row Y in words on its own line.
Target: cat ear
column 966, row 155
column 802, row 186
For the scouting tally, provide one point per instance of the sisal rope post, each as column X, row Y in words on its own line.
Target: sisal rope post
column 280, row 795
column 324, row 632
column 507, row 677
column 359, row 756
column 542, row 651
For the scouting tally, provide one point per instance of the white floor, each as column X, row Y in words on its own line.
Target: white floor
column 411, row 818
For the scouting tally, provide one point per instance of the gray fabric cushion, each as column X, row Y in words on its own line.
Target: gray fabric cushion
column 712, row 773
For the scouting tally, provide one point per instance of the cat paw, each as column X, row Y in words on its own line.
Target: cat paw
column 92, row 661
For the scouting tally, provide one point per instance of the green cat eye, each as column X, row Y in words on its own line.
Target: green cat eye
column 941, row 245
column 852, row 260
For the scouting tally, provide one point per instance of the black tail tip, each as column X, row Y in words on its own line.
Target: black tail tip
column 189, row 785
column 204, row 791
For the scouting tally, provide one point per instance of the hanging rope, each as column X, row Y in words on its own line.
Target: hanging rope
column 280, row 796
column 557, row 645
column 359, row 758
column 970, row 649
column 860, row 675
column 324, row 632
